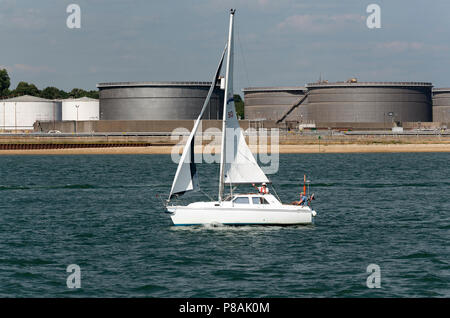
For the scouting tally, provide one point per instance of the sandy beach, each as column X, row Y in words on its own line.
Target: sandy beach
column 332, row 148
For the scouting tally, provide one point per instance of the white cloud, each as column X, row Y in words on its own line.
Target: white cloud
column 33, row 68
column 220, row 5
column 21, row 19
column 320, row 22
column 401, row 46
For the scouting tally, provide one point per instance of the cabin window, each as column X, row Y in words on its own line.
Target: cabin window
column 242, row 200
column 259, row 200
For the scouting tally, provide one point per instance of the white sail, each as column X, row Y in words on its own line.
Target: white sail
column 241, row 167
column 238, row 165
column 186, row 178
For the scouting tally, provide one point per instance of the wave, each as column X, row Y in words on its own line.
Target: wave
column 25, row 262
column 418, row 255
column 78, row 186
column 67, row 186
column 367, row 185
column 4, row 188
column 75, row 186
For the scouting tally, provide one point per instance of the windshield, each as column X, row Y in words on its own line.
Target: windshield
column 259, row 200
column 242, row 200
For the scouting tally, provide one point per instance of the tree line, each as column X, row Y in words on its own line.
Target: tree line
column 24, row 88
column 239, row 105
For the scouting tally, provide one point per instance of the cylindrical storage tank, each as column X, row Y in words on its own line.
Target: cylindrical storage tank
column 271, row 103
column 369, row 102
column 441, row 105
column 80, row 109
column 158, row 100
column 20, row 113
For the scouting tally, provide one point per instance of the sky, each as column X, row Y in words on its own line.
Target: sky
column 277, row 42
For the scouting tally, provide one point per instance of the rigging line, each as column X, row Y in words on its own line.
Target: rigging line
column 206, row 194
column 276, row 194
column 243, row 57
column 218, row 169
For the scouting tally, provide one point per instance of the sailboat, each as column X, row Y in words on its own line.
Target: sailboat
column 237, row 167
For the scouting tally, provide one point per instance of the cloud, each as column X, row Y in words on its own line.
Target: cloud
column 220, row 5
column 429, row 50
column 32, row 68
column 21, row 18
column 442, row 48
column 401, row 46
column 319, row 22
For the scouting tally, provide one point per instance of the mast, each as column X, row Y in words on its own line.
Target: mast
column 228, row 74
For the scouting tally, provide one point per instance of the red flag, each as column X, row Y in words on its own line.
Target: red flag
column 304, row 184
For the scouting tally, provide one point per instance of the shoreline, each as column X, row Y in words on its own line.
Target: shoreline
column 284, row 149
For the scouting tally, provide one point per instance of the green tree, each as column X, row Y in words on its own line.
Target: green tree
column 5, row 82
column 50, row 93
column 53, row 93
column 23, row 88
column 63, row 94
column 239, row 104
column 77, row 93
column 93, row 94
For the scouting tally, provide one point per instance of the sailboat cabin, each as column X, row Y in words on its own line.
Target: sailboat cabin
column 252, row 200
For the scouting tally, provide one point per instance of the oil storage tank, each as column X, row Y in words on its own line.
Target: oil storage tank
column 441, row 105
column 20, row 113
column 369, row 102
column 83, row 108
column 271, row 103
column 158, row 100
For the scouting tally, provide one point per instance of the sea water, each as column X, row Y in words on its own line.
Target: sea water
column 103, row 214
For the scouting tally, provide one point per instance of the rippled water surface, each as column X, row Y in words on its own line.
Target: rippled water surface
column 102, row 213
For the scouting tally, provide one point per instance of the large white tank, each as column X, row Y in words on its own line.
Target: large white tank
column 80, row 109
column 20, row 113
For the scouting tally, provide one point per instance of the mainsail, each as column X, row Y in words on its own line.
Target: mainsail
column 186, row 178
column 237, row 162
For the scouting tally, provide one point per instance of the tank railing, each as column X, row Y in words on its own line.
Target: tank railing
column 370, row 83
column 115, row 84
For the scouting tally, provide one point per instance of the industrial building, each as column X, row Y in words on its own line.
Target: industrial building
column 271, row 103
column 369, row 102
column 158, row 100
column 348, row 102
column 83, row 108
column 159, row 106
column 441, row 105
column 20, row 113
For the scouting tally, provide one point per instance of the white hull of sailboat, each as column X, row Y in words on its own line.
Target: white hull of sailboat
column 185, row 216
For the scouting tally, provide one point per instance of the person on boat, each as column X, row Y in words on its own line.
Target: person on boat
column 262, row 189
column 303, row 199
